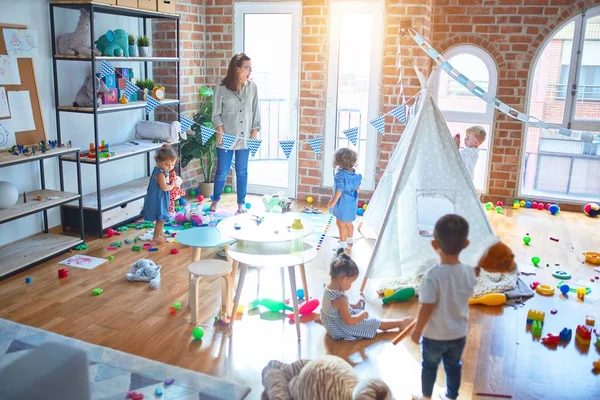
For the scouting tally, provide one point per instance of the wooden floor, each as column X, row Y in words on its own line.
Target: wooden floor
column 501, row 357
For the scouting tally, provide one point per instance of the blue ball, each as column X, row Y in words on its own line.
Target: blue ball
column 564, row 289
column 360, row 211
column 528, row 204
column 197, row 191
column 300, row 293
column 182, row 201
column 554, row 209
column 248, row 205
column 212, row 197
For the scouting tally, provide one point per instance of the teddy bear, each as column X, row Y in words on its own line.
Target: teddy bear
column 145, row 271
column 326, row 378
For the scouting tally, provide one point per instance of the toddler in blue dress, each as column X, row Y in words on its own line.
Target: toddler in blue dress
column 343, row 320
column 156, row 203
column 345, row 193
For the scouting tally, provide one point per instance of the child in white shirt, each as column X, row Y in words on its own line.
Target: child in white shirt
column 474, row 137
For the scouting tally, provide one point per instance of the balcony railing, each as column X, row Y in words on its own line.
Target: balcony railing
column 275, row 122
column 584, row 92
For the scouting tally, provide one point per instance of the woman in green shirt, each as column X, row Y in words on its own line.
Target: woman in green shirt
column 236, row 112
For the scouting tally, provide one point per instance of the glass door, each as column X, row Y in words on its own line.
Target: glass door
column 269, row 34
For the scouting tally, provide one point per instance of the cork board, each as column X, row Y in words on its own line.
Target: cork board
column 28, row 84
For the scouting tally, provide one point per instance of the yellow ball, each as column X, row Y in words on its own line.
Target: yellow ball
column 522, row 203
column 516, row 206
column 388, row 292
column 365, row 207
column 309, row 200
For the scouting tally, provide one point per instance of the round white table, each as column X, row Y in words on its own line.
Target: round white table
column 269, row 243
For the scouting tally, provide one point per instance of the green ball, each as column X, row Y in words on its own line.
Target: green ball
column 228, row 189
column 488, row 206
column 526, row 240
column 535, row 260
column 192, row 192
column 198, row 333
column 499, row 210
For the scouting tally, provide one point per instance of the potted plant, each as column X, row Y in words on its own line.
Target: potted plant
column 192, row 148
column 132, row 47
column 143, row 46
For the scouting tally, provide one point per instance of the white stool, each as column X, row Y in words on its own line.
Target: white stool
column 210, row 269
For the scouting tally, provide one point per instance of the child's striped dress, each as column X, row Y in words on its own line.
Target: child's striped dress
column 336, row 328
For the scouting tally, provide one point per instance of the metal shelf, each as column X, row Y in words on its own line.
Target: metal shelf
column 8, row 159
column 110, row 108
column 122, row 150
column 114, row 10
column 116, row 59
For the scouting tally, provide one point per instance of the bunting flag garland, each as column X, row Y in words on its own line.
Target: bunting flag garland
column 130, row 89
column 106, row 69
column 316, row 143
column 379, row 124
column 253, row 145
column 186, row 123
column 151, row 104
column 287, row 146
column 228, row 140
column 206, row 133
column 399, row 113
column 352, row 134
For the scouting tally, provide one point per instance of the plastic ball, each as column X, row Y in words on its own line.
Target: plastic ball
column 212, row 197
column 361, row 204
column 206, row 208
column 516, row 206
column 554, row 209
column 591, row 209
column 527, row 240
column 192, row 192
column 517, row 201
column 364, row 207
column 548, row 206
column 488, row 206
column 309, row 199
column 198, row 333
column 360, row 211
column 522, row 203
column 182, row 202
column 110, row 232
column 564, row 289
column 300, row 293
column 534, row 204
column 197, row 191
column 499, row 204
column 528, row 204
column 535, row 260
column 228, row 189
column 499, row 210
column 540, row 206
column 248, row 205
column 200, row 198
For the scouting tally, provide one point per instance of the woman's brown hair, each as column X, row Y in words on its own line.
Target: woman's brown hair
column 231, row 79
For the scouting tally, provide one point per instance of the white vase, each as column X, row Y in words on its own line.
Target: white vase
column 144, row 51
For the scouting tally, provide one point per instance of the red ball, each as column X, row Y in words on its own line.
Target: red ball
column 174, row 251
column 548, row 206
column 540, row 206
column 499, row 204
column 361, row 204
column 110, row 232
column 200, row 198
column 534, row 204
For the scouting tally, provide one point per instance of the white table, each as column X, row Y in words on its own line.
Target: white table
column 268, row 245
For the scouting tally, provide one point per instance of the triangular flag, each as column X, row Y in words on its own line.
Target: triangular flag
column 253, row 145
column 287, row 146
column 151, row 104
column 228, row 140
column 186, row 123
column 352, row 134
column 379, row 124
column 400, row 113
column 130, row 89
column 316, row 144
column 206, row 133
column 106, row 69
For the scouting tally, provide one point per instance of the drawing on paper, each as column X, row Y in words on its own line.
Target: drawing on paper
column 4, row 135
column 4, row 110
column 21, row 43
column 9, row 71
column 81, row 261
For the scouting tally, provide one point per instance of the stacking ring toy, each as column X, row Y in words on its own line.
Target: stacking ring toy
column 545, row 290
column 561, row 275
column 592, row 258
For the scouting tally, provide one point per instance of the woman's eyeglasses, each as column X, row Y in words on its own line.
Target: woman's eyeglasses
column 247, row 68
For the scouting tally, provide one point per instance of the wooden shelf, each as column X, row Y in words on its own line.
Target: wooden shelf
column 116, row 59
column 116, row 195
column 25, row 252
column 108, row 108
column 6, row 158
column 122, row 150
column 32, row 206
column 112, row 9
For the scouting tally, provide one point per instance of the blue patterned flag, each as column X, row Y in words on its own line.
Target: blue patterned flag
column 206, row 133
column 151, row 104
column 253, row 145
column 186, row 123
column 379, row 124
column 287, row 146
column 352, row 134
column 130, row 89
column 400, row 113
column 228, row 140
column 106, row 69
column 316, row 144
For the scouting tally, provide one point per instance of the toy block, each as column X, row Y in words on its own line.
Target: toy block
column 240, row 311
column 176, row 305
column 590, row 320
column 117, row 244
column 136, row 248
column 565, row 335
column 535, row 315
column 122, row 83
column 111, row 258
column 122, row 73
column 81, row 246
column 111, row 81
column 153, row 249
column 110, row 97
column 596, row 365
column 63, row 273
column 97, row 291
column 133, row 96
column 583, row 335
column 112, row 248
column 172, row 310
column 28, row 280
column 536, row 328
column 551, row 339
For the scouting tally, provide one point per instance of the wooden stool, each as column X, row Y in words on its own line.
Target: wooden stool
column 210, row 269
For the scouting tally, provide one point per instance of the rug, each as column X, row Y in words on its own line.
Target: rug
column 114, row 373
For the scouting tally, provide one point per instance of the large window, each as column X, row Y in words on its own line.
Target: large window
column 461, row 108
column 565, row 90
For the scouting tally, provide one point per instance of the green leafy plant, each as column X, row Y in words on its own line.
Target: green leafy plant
column 143, row 41
column 131, row 39
column 140, row 83
column 149, row 84
column 192, row 148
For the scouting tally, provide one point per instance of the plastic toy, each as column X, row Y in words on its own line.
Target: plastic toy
column 535, row 315
column 364, row 207
column 123, row 99
column 499, row 204
column 561, row 275
column 490, row 299
column 158, row 392
column 274, row 305
column 309, row 199
column 565, row 335
column 300, row 293
column 182, row 202
column 172, row 310
column 581, row 293
column 63, row 273
column 403, row 294
column 596, row 365
column 534, row 204
column 153, row 249
column 551, row 339
column 554, row 209
column 111, row 258
column 174, row 251
column 169, row 381
column 247, row 205
column 116, row 244
column 527, row 204
column 591, row 209
column 489, row 206
column 103, row 151
column 136, row 248
column 190, row 217
column 527, row 240
column 200, row 198
column 499, row 210
column 306, row 308
column 28, row 279
column 535, row 261
column 135, row 396
column 545, row 290
column 176, row 305
column 533, row 285
column 361, row 204
column 592, row 257
column 540, row 206
column 110, row 232
column 81, row 246
column 227, row 189
column 572, row 290
column 553, row 311
column 583, row 335
column 97, row 291
column 516, row 206
column 388, row 292
column 112, row 248
column 113, row 43
column 536, row 328
column 590, row 320
column 197, row 333
column 360, row 211
column 127, row 241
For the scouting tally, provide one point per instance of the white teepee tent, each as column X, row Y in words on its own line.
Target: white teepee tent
column 424, row 180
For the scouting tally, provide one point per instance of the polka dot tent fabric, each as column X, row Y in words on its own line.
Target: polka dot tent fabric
column 432, row 181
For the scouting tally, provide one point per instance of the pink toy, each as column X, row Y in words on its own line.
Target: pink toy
column 174, row 251
column 175, row 193
column 189, row 216
column 306, row 308
column 540, row 206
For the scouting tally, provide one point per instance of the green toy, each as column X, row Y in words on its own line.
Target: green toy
column 176, row 305
column 228, row 189
column 536, row 328
column 116, row 244
column 489, row 206
column 97, row 291
column 527, row 240
column 122, row 228
column 253, row 305
column 274, row 305
column 113, row 43
column 400, row 295
column 535, row 261
column 198, row 333
column 111, row 258
column 499, row 210
column 136, row 248
column 81, row 246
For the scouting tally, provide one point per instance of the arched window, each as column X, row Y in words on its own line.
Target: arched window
column 565, row 90
column 461, row 108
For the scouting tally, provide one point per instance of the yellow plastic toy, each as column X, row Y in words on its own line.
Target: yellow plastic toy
column 581, row 293
column 545, row 290
column 123, row 100
column 490, row 299
column 159, row 92
column 388, row 292
column 592, row 257
column 596, row 365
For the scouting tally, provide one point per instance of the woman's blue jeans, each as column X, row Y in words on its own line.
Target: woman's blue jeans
column 224, row 158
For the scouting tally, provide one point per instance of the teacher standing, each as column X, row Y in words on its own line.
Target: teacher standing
column 235, row 112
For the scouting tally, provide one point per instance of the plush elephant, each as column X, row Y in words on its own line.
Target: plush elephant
column 85, row 97
column 113, row 43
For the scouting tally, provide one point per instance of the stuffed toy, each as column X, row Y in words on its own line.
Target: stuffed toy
column 86, row 96
column 277, row 203
column 162, row 131
column 78, row 42
column 193, row 217
column 327, row 378
column 499, row 258
column 145, row 271
column 113, row 43
column 175, row 193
